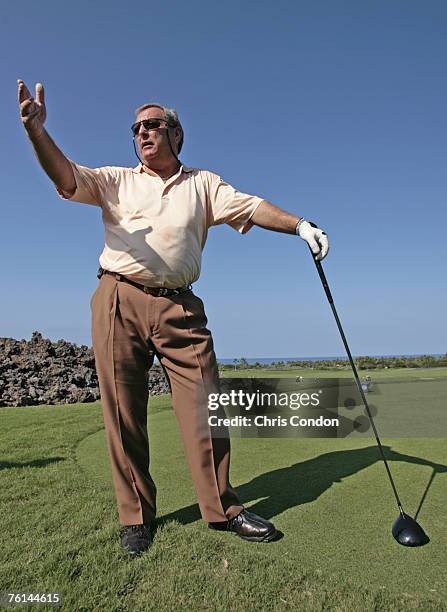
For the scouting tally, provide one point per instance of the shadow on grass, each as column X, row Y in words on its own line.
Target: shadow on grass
column 7, row 465
column 302, row 482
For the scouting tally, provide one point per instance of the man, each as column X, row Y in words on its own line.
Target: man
column 156, row 219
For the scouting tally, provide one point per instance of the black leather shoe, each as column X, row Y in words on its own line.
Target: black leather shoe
column 136, row 538
column 248, row 526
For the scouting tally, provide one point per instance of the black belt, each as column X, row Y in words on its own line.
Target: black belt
column 156, row 291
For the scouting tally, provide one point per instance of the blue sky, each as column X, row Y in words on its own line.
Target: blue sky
column 332, row 110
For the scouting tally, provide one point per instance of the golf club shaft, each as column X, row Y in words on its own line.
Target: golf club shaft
column 356, row 376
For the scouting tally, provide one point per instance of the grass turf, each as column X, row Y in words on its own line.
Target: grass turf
column 342, row 372
column 330, row 498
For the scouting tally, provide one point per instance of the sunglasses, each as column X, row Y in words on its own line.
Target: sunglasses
column 148, row 124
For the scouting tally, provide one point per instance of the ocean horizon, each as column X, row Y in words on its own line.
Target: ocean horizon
column 270, row 360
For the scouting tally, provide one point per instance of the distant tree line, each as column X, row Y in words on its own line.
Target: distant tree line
column 362, row 363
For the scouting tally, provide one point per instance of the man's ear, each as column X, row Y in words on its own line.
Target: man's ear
column 177, row 135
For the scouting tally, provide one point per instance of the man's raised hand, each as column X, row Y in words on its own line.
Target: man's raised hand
column 32, row 110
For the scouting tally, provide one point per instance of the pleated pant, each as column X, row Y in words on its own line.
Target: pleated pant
column 128, row 327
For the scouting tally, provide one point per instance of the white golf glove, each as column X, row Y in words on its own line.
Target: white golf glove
column 315, row 238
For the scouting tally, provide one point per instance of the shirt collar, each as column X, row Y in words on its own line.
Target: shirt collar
column 139, row 169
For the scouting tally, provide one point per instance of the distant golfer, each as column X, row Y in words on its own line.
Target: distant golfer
column 156, row 218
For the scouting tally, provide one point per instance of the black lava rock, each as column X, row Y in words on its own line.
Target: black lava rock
column 40, row 371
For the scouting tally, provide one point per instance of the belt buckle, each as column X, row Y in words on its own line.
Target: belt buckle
column 157, row 292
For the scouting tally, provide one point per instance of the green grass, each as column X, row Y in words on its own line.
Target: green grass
column 330, row 498
column 345, row 372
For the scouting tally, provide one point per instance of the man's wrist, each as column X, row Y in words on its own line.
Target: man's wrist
column 297, row 228
column 36, row 135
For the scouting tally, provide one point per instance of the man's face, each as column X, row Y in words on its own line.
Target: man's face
column 154, row 144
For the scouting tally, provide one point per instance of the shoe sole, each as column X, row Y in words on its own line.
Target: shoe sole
column 267, row 538
column 134, row 553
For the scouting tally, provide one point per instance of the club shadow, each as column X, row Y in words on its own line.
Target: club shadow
column 302, row 482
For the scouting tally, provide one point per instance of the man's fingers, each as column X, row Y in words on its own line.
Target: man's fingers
column 324, row 243
column 23, row 92
column 25, row 106
column 40, row 94
column 324, row 246
column 27, row 118
column 313, row 246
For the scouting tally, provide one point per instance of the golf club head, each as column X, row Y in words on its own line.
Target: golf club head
column 408, row 532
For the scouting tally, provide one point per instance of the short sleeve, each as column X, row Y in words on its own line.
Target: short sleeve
column 91, row 185
column 228, row 205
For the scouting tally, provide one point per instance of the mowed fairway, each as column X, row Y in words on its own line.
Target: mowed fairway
column 329, row 497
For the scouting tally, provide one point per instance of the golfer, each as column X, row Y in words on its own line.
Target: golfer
column 156, row 219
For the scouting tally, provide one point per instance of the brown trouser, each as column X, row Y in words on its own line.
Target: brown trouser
column 128, row 325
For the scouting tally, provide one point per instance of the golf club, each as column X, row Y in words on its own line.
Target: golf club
column 405, row 529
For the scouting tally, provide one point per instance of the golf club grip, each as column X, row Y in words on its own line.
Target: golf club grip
column 323, row 279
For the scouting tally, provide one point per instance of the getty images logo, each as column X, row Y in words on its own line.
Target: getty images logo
column 248, row 400
column 288, row 407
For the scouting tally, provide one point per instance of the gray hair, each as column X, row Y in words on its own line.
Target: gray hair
column 171, row 117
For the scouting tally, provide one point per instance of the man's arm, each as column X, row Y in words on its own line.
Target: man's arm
column 53, row 161
column 273, row 218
